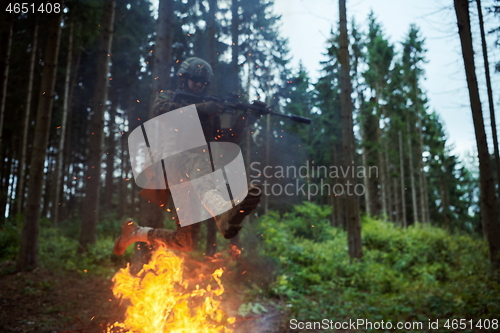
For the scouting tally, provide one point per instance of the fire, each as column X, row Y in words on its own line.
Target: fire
column 163, row 300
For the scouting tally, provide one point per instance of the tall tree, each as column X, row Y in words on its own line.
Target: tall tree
column 6, row 42
column 490, row 95
column 489, row 203
column 379, row 56
column 235, row 67
column 411, row 71
column 211, row 242
column 25, row 127
column 109, row 187
column 162, row 55
column 402, row 179
column 212, row 42
column 88, row 234
column 58, row 175
column 28, row 251
column 348, row 145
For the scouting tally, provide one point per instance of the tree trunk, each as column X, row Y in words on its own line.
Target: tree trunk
column 490, row 95
column 28, row 251
column 388, row 182
column 268, row 138
column 489, row 204
column 4, row 172
column 122, row 185
column 445, row 203
column 397, row 217
column 64, row 209
column 26, row 124
column 88, row 234
column 352, row 205
column 371, row 138
column 235, row 70
column 110, row 159
column 149, row 213
column 4, row 181
column 366, row 180
column 11, row 196
column 402, row 175
column 412, row 176
column 58, row 174
column 338, row 200
column 4, row 65
column 211, row 241
column 212, row 42
column 49, row 183
column 380, row 157
column 421, row 173
column 163, row 50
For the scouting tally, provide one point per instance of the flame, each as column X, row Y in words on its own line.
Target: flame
column 162, row 300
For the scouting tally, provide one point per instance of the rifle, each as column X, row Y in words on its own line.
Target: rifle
column 231, row 104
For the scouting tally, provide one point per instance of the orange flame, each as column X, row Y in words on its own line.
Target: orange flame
column 163, row 301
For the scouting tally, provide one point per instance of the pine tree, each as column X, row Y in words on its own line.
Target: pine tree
column 348, row 146
column 379, row 56
column 88, row 234
column 25, row 128
column 5, row 54
column 64, row 123
column 489, row 202
column 28, row 252
column 490, row 96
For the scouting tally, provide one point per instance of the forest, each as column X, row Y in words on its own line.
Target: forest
column 366, row 212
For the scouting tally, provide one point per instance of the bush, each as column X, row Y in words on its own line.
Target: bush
column 59, row 252
column 418, row 273
column 58, row 248
column 10, row 240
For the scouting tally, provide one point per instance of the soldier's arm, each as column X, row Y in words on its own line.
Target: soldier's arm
column 164, row 103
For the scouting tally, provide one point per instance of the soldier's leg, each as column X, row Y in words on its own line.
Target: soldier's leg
column 229, row 221
column 183, row 239
column 227, row 218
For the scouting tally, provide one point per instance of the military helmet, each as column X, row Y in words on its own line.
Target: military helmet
column 196, row 68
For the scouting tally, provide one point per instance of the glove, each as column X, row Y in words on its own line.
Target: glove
column 251, row 116
column 254, row 115
column 209, row 108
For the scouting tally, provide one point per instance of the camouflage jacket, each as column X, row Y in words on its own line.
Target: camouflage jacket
column 165, row 103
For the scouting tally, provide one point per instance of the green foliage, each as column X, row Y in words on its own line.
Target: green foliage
column 59, row 252
column 417, row 273
column 10, row 239
column 58, row 248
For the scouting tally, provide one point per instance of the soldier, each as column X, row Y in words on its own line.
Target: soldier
column 194, row 77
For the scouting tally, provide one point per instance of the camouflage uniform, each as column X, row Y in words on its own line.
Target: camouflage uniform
column 184, row 238
column 194, row 163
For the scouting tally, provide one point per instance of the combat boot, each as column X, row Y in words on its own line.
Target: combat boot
column 229, row 219
column 131, row 233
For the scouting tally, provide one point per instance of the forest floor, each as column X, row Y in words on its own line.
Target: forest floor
column 42, row 301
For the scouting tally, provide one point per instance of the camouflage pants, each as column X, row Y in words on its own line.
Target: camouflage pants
column 191, row 165
column 183, row 239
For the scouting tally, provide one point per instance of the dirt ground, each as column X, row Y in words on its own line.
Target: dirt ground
column 45, row 302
